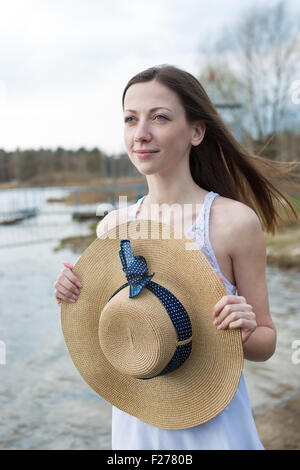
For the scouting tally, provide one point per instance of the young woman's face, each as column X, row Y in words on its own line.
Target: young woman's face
column 163, row 130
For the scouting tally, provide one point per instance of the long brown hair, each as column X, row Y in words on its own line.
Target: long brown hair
column 220, row 163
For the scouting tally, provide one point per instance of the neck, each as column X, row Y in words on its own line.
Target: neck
column 173, row 187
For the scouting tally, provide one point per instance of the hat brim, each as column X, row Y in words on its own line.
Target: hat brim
column 206, row 383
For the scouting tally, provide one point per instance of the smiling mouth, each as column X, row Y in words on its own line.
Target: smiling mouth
column 144, row 154
column 146, row 151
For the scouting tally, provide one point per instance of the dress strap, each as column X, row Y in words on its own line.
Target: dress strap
column 206, row 212
column 207, row 248
column 134, row 209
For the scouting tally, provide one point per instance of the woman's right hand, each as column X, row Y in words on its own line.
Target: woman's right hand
column 67, row 285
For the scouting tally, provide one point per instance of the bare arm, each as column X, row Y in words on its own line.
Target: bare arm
column 249, row 265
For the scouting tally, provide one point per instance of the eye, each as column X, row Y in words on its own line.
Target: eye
column 126, row 119
column 160, row 115
column 157, row 115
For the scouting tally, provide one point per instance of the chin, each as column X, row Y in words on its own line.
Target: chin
column 147, row 169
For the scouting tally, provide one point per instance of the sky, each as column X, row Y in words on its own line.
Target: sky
column 64, row 63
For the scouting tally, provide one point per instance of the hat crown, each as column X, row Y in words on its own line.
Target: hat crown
column 138, row 342
column 137, row 336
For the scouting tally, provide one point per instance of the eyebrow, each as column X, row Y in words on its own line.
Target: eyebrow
column 151, row 110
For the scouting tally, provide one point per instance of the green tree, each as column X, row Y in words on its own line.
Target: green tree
column 28, row 165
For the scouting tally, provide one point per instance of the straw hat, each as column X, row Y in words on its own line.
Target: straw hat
column 141, row 332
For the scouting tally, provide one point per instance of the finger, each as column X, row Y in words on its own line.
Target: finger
column 74, row 279
column 61, row 297
column 68, row 265
column 67, row 274
column 242, row 323
column 226, row 300
column 232, row 318
column 68, row 290
column 229, row 309
column 60, row 294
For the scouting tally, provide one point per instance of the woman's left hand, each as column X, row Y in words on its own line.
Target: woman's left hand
column 233, row 311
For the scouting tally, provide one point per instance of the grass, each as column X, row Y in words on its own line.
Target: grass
column 80, row 243
column 283, row 248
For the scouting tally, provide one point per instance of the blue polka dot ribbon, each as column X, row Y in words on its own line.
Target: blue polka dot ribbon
column 136, row 271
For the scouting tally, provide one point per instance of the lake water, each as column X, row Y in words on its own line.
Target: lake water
column 44, row 402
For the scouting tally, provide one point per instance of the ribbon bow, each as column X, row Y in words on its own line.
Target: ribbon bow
column 135, row 268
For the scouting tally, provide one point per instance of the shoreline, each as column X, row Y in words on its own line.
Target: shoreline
column 70, row 183
column 283, row 248
column 278, row 426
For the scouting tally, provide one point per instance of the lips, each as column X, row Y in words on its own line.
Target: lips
column 145, row 153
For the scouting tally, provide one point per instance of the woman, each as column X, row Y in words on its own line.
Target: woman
column 176, row 138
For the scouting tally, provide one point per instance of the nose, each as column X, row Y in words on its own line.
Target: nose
column 142, row 132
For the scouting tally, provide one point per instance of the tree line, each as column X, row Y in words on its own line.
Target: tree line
column 24, row 165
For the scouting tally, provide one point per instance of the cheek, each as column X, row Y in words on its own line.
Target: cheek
column 126, row 138
column 174, row 144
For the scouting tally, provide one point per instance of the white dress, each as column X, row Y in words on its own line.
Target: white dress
column 232, row 429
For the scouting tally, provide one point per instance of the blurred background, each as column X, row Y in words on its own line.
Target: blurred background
column 63, row 165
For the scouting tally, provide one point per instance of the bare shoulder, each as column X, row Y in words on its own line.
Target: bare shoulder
column 112, row 219
column 239, row 211
column 240, row 223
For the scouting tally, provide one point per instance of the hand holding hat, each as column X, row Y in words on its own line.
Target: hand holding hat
column 233, row 311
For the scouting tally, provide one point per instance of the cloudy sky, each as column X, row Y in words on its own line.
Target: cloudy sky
column 64, row 63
